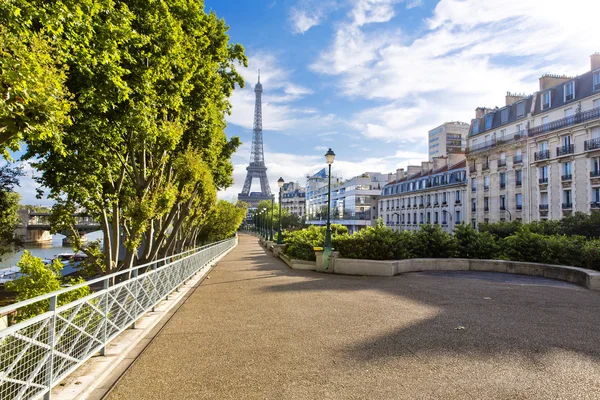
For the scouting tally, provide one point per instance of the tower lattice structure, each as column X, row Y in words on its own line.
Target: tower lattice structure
column 257, row 168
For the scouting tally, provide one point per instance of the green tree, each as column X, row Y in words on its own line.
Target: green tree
column 39, row 279
column 9, row 208
column 223, row 221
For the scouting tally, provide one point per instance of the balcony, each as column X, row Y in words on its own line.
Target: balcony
column 502, row 163
column 595, row 173
column 567, row 206
column 486, row 187
column 592, row 144
column 486, row 209
column 503, row 186
column 473, row 189
column 565, row 150
column 565, row 122
column 457, row 202
column 444, row 203
column 543, row 181
column 518, row 160
column 473, row 209
column 543, row 206
column 595, row 204
column 495, row 142
column 542, row 155
column 567, row 177
column 519, row 207
column 518, row 183
column 436, row 204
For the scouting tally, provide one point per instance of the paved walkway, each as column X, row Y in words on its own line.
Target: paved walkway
column 258, row 330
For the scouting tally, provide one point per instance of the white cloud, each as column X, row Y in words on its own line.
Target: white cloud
column 470, row 53
column 310, row 13
column 414, row 3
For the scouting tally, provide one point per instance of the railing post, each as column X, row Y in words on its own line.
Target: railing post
column 155, row 266
column 51, row 334
column 134, row 276
column 105, row 316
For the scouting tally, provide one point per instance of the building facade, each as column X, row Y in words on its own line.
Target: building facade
column 448, row 138
column 538, row 157
column 293, row 198
column 433, row 193
column 353, row 201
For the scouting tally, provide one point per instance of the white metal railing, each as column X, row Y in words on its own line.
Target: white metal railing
column 36, row 354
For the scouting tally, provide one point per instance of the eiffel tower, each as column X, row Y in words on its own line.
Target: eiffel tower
column 257, row 168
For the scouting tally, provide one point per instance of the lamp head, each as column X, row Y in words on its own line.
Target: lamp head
column 280, row 182
column 329, row 156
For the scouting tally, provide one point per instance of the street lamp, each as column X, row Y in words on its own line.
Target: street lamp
column 329, row 157
column 271, row 224
column 280, row 183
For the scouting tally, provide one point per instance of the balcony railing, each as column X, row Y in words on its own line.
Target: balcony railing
column 543, row 181
column 564, row 122
column 564, row 150
column 495, row 142
column 519, row 206
column 473, row 189
column 567, row 206
column 502, row 163
column 487, row 187
column 473, row 209
column 595, row 204
column 503, row 186
column 592, row 144
column 567, row 177
column 486, row 208
column 543, row 206
column 457, row 202
column 518, row 160
column 519, row 183
column 542, row 155
column 595, row 173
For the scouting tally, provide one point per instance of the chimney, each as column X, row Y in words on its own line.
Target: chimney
column 439, row 162
column 399, row 174
column 595, row 61
column 455, row 158
column 425, row 166
column 413, row 169
column 547, row 81
column 514, row 97
column 390, row 177
column 481, row 111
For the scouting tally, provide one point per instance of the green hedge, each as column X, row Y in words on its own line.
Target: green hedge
column 506, row 241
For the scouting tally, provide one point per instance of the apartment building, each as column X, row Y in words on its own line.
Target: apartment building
column 293, row 198
column 538, row 157
column 353, row 201
column 448, row 138
column 432, row 193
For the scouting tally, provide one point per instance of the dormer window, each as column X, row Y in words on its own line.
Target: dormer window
column 521, row 109
column 504, row 116
column 570, row 91
column 546, row 99
column 475, row 125
column 488, row 121
column 596, row 80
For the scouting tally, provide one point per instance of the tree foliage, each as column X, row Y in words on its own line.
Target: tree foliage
column 39, row 279
column 133, row 130
column 9, row 208
column 223, row 221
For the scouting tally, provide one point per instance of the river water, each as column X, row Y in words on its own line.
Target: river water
column 43, row 250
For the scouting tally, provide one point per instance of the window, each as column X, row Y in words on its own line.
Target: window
column 595, row 166
column 435, row 216
column 458, row 196
column 596, row 195
column 458, row 217
column 502, row 180
column 444, row 218
column 567, row 169
column 503, row 202
column 521, row 109
column 415, row 218
column 566, row 141
column 567, row 197
column 421, row 218
column 544, row 199
column 474, row 185
column 488, row 121
column 543, row 146
column 518, row 177
column 475, row 126
column 444, row 197
column 544, row 172
column 596, row 80
column 595, row 133
column 546, row 100
column 502, row 160
column 435, row 198
column 569, row 91
column 519, row 201
column 473, row 205
column 408, row 219
column 486, row 182
column 428, row 217
column 504, row 116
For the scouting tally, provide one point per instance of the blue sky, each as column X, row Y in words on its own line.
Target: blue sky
column 369, row 78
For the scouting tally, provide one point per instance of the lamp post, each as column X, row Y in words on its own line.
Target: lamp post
column 280, row 183
column 271, row 224
column 329, row 157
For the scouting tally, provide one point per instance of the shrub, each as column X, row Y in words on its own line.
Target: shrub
column 590, row 254
column 587, row 225
column 472, row 243
column 431, row 241
column 500, row 229
column 373, row 243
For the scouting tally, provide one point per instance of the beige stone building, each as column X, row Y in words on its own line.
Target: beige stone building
column 538, row 157
column 293, row 198
column 432, row 193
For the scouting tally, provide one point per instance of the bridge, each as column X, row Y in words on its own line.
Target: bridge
column 35, row 226
column 253, row 328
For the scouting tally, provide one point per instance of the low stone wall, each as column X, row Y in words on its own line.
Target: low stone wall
column 298, row 264
column 580, row 276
